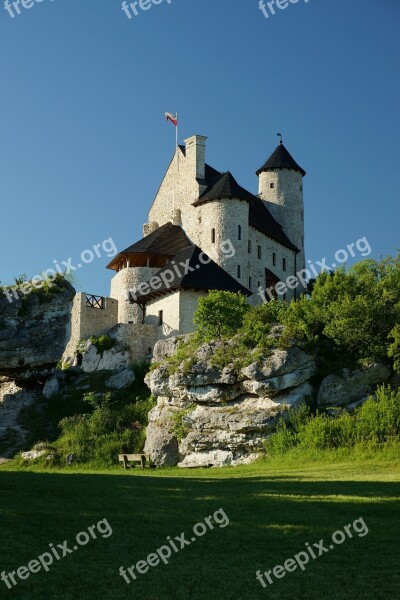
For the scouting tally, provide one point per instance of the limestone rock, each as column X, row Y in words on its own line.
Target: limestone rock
column 51, row 388
column 166, row 348
column 121, row 380
column 231, row 414
column 34, row 334
column 114, row 359
column 33, row 454
column 351, row 386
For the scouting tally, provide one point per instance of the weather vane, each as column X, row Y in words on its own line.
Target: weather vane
column 280, row 136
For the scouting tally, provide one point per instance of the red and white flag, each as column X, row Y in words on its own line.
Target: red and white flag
column 172, row 118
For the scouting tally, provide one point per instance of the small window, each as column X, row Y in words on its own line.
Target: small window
column 259, row 251
column 239, row 272
column 302, row 215
column 274, row 259
column 284, row 264
column 272, row 185
column 301, row 188
column 160, row 317
column 213, row 236
column 250, row 284
column 258, row 285
column 249, row 246
column 239, row 232
column 284, row 297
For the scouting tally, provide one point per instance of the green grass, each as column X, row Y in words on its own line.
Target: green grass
column 274, row 509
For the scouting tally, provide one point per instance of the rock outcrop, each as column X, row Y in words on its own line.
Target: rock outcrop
column 208, row 416
column 351, row 386
column 34, row 331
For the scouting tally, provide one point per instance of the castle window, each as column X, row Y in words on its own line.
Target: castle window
column 272, row 185
column 239, row 232
column 239, row 272
column 249, row 246
column 274, row 259
column 301, row 188
column 258, row 285
column 259, row 251
column 160, row 317
column 250, row 284
column 302, row 215
column 213, row 236
column 284, row 264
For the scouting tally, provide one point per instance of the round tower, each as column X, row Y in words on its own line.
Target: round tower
column 281, row 188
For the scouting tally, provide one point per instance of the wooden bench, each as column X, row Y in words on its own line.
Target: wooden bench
column 127, row 459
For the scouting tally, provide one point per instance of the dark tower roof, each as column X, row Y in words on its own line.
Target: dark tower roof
column 225, row 185
column 192, row 271
column 281, row 159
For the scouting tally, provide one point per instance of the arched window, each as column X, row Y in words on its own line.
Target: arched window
column 239, row 232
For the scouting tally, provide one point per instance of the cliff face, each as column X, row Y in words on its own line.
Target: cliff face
column 34, row 331
column 209, row 416
column 206, row 416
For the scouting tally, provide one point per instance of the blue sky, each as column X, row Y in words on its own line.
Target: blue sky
column 84, row 144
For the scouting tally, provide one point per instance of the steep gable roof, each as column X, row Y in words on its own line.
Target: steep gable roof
column 281, row 159
column 226, row 186
column 191, row 272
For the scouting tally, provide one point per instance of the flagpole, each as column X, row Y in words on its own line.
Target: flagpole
column 177, row 124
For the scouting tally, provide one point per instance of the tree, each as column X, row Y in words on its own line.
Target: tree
column 220, row 314
column 353, row 313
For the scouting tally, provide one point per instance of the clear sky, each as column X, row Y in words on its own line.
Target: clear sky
column 84, row 143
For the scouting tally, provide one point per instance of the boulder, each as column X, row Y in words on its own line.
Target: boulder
column 121, row 380
column 51, row 388
column 351, row 386
column 116, row 358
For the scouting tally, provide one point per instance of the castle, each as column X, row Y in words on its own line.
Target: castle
column 204, row 232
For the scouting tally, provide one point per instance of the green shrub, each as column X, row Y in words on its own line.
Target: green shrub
column 375, row 424
column 103, row 343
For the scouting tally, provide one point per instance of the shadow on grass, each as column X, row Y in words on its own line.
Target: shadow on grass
column 271, row 518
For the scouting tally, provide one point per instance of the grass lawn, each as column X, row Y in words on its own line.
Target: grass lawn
column 273, row 512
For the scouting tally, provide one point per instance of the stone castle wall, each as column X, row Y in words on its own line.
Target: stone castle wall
column 87, row 321
column 128, row 279
column 286, row 203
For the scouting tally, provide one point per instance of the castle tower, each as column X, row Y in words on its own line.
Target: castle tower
column 281, row 188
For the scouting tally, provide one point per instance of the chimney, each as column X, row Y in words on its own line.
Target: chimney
column 196, row 155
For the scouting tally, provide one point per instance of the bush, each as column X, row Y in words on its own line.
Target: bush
column 103, row 343
column 376, row 423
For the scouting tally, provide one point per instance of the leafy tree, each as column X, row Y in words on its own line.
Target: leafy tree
column 258, row 321
column 220, row 314
column 354, row 312
column 394, row 348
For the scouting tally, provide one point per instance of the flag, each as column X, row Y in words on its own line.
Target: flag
column 172, row 118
